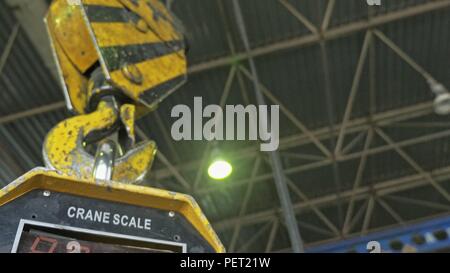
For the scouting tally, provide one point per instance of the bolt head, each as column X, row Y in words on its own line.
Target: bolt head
column 142, row 26
column 46, row 193
column 171, row 214
column 132, row 73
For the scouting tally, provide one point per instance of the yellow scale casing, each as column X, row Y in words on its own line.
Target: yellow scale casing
column 117, row 193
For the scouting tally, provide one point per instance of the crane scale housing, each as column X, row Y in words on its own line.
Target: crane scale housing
column 45, row 212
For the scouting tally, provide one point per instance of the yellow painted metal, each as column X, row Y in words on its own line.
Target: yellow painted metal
column 154, row 26
column 141, row 54
column 146, row 10
column 115, row 192
column 161, row 70
column 73, row 50
column 133, row 166
column 128, row 117
column 67, row 24
column 81, row 43
column 118, row 34
column 64, row 145
column 79, row 46
column 106, row 3
column 63, row 141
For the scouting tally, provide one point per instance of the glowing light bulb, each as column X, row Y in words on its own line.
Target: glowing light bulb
column 220, row 169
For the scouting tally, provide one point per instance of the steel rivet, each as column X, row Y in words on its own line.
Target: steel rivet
column 142, row 26
column 171, row 214
column 46, row 193
column 132, row 73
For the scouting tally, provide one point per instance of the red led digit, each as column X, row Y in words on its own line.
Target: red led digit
column 39, row 239
column 85, row 249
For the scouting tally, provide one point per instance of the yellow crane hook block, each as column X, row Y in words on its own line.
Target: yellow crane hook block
column 137, row 43
column 64, row 146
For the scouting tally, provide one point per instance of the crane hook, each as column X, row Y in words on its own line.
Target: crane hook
column 64, row 147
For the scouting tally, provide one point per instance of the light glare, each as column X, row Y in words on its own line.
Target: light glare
column 219, row 169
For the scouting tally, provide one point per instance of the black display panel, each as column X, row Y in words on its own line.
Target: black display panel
column 57, row 213
column 38, row 237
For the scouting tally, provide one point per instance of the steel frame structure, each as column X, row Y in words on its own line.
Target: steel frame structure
column 365, row 128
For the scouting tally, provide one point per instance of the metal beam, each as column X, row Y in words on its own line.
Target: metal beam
column 331, row 113
column 30, row 14
column 330, row 34
column 413, row 163
column 299, row 16
column 301, row 156
column 255, row 237
column 9, row 44
column 243, row 209
column 359, row 214
column 354, row 126
column 327, row 162
column 405, row 57
column 419, row 202
column 32, row 112
column 381, row 189
column 296, row 190
column 278, row 173
column 166, row 136
column 18, row 149
column 390, row 210
column 368, row 216
column 354, row 90
column 206, row 153
column 178, row 177
column 355, row 141
column 290, row 115
column 327, row 17
column 272, row 235
column 358, row 179
column 314, row 208
column 427, row 125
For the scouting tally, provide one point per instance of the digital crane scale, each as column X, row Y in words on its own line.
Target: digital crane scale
column 45, row 212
